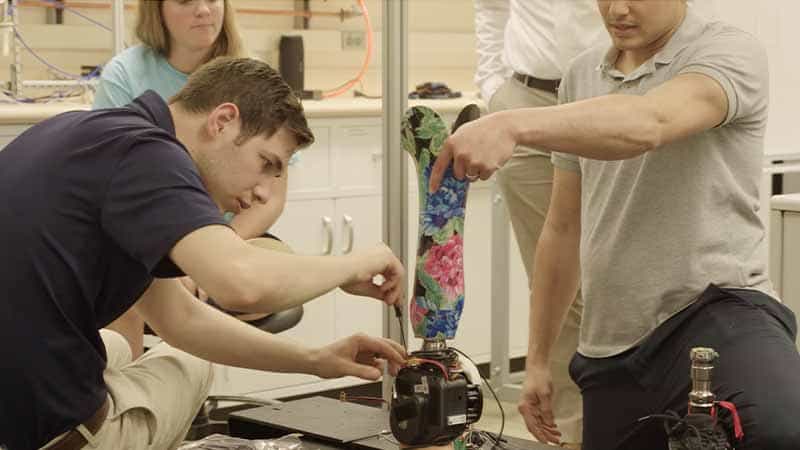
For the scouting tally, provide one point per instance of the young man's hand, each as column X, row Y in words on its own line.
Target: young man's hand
column 360, row 356
column 372, row 264
column 476, row 150
column 535, row 405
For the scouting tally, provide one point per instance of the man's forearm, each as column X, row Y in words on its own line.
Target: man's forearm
column 187, row 324
column 611, row 127
column 243, row 277
column 283, row 281
column 555, row 283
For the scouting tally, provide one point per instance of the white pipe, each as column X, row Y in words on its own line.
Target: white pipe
column 782, row 168
column 395, row 162
column 118, row 25
column 16, row 52
column 57, row 83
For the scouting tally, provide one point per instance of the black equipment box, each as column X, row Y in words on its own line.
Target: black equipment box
column 331, row 424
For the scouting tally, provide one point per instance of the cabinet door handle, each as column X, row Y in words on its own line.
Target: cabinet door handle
column 347, row 232
column 327, row 226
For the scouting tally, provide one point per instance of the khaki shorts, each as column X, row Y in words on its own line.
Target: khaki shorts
column 153, row 399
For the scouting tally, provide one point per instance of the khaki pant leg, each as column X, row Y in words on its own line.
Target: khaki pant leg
column 118, row 352
column 526, row 182
column 153, row 399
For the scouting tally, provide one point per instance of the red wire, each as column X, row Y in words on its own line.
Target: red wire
column 367, row 57
column 738, row 431
column 436, row 363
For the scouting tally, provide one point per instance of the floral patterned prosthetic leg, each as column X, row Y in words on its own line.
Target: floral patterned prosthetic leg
column 438, row 299
column 437, row 394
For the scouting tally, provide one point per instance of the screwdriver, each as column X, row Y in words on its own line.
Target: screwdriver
column 378, row 280
column 399, row 314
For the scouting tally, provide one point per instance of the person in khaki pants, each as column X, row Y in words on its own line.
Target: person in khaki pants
column 105, row 207
column 147, row 395
column 523, row 73
column 525, row 182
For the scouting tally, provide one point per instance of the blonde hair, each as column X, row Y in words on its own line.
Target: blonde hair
column 152, row 31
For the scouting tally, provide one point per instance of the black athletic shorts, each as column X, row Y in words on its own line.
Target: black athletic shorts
column 758, row 370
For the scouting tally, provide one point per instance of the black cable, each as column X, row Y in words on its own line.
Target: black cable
column 499, row 437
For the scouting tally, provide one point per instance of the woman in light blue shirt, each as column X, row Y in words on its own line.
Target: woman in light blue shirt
column 178, row 36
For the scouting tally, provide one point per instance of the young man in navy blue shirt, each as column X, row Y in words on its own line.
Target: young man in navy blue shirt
column 104, row 207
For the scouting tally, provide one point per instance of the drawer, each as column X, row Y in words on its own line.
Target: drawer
column 358, row 157
column 312, row 170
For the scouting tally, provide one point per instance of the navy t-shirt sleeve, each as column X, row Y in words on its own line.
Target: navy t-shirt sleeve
column 156, row 197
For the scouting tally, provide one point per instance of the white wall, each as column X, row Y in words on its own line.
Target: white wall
column 442, row 44
column 439, row 50
column 775, row 23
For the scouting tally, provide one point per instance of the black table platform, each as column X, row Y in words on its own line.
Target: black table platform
column 330, row 424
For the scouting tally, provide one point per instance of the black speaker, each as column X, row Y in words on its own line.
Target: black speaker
column 292, row 62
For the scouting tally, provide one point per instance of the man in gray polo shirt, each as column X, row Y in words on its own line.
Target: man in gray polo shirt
column 658, row 148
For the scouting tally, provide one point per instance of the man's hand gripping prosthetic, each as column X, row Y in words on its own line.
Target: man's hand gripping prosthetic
column 437, row 395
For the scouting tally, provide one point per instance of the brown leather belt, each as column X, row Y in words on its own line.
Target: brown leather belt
column 74, row 440
column 538, row 83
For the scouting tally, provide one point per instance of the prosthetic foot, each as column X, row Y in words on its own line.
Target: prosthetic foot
column 438, row 394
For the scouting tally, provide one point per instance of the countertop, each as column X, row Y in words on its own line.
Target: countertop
column 26, row 113
column 787, row 202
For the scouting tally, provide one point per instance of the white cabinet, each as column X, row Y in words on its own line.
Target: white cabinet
column 336, row 227
column 785, row 249
column 334, row 206
column 358, row 314
column 357, row 146
column 312, row 171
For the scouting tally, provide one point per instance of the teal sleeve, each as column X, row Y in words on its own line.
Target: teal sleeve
column 114, row 88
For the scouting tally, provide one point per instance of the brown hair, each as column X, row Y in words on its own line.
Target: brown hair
column 152, row 30
column 266, row 103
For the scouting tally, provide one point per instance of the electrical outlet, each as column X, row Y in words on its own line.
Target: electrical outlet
column 354, row 40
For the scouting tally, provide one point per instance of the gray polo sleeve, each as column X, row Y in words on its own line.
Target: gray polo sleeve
column 738, row 62
column 565, row 161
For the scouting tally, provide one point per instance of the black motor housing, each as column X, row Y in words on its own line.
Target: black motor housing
column 429, row 409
